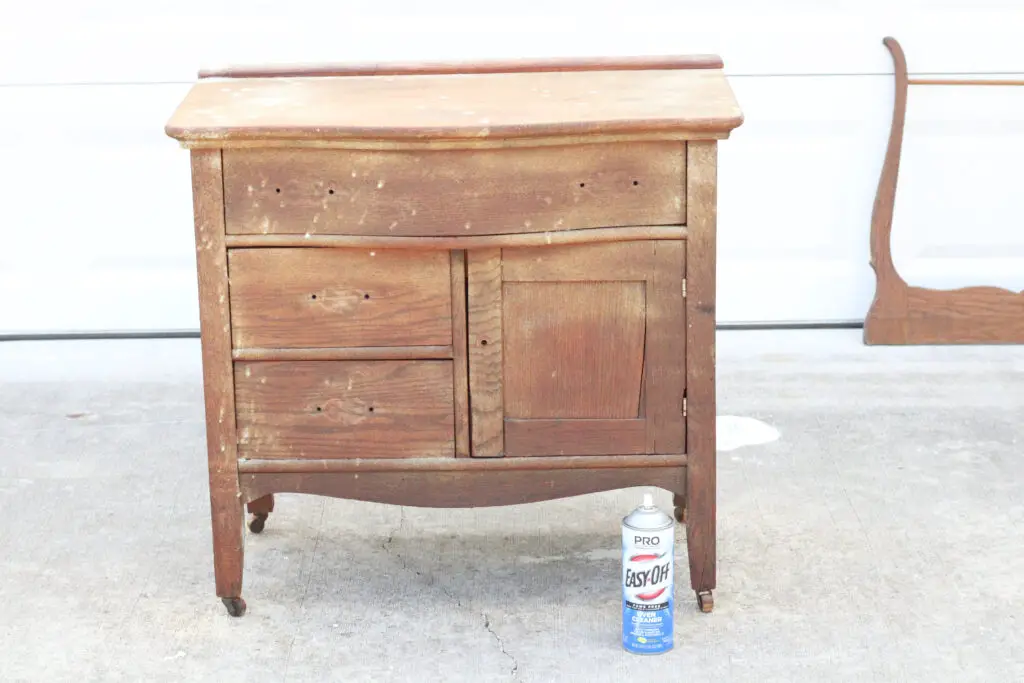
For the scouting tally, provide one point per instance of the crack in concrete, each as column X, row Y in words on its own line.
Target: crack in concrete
column 309, row 581
column 514, row 671
column 432, row 581
column 386, row 545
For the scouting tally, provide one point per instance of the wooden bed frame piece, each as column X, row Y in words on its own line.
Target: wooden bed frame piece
column 902, row 314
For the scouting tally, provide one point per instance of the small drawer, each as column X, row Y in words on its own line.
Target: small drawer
column 339, row 298
column 454, row 192
column 345, row 409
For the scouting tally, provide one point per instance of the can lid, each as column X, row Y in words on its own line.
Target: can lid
column 648, row 516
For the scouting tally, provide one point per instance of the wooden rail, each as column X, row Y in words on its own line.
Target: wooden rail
column 481, row 67
column 586, row 462
column 963, row 81
column 354, row 353
column 533, row 239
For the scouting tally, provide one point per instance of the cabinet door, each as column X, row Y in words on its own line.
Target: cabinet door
column 577, row 350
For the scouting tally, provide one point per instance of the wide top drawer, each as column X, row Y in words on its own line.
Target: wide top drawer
column 454, row 192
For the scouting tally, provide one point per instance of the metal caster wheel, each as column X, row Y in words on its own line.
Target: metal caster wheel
column 259, row 520
column 235, row 606
column 680, row 514
column 706, row 601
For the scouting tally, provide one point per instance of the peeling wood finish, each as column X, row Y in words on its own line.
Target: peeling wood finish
column 665, row 347
column 464, row 488
column 345, row 409
column 534, row 239
column 701, row 475
column 573, row 350
column 486, row 389
column 434, row 144
column 458, row 286
column 577, row 438
column 463, row 106
column 318, row 192
column 643, row 63
column 460, row 356
column 219, row 390
column 582, row 462
column 901, row 314
column 595, row 332
column 303, row 298
column 349, row 353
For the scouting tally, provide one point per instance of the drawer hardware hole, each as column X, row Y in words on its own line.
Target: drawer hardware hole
column 583, row 184
column 366, row 296
column 330, row 191
column 277, row 190
column 635, row 183
column 313, row 296
column 319, row 409
column 370, row 409
column 483, row 342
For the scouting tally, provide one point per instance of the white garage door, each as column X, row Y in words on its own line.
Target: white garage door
column 97, row 220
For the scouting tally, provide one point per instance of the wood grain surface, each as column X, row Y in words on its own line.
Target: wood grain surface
column 467, row 107
column 543, row 64
column 580, row 462
column 701, row 480
column 347, row 353
column 664, row 364
column 460, row 356
column 575, row 437
column 563, row 345
column 624, row 261
column 453, row 192
column 465, row 489
column 902, row 314
column 283, row 298
column 573, row 349
column 218, row 382
column 345, row 409
column 526, row 239
column 483, row 284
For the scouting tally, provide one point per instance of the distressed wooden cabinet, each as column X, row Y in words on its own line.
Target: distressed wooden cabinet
column 458, row 285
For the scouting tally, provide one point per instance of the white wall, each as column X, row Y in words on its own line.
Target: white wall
column 97, row 228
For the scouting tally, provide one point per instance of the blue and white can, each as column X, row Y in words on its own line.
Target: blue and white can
column 648, row 543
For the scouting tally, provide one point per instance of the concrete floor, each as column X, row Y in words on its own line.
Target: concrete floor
column 880, row 538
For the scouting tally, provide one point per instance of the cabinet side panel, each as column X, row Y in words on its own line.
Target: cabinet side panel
column 485, row 351
column 215, row 325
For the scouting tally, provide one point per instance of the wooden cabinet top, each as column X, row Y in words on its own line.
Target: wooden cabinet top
column 495, row 103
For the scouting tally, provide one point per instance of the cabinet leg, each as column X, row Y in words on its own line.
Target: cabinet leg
column 228, row 544
column 260, row 509
column 700, row 527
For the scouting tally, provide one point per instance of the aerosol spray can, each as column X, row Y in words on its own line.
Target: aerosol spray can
column 648, row 541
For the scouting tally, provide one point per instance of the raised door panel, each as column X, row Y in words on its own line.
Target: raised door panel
column 577, row 350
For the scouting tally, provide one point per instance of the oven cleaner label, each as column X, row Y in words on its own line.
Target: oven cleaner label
column 647, row 600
